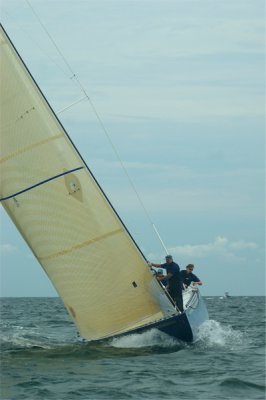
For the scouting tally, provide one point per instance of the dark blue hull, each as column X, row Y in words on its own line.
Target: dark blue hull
column 184, row 326
column 178, row 327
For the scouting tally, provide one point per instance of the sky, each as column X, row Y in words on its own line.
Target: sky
column 179, row 87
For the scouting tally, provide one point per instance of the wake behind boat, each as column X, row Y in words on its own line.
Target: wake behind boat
column 70, row 225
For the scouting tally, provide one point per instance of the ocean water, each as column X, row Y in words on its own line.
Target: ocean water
column 42, row 359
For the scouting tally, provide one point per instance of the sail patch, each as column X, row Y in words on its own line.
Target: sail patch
column 73, row 186
column 39, row 184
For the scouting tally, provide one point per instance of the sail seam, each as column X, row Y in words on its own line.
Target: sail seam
column 32, row 146
column 40, row 183
column 80, row 245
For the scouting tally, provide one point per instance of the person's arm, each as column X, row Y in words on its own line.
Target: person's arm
column 196, row 280
column 154, row 265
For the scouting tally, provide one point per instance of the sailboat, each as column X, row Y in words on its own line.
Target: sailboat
column 71, row 227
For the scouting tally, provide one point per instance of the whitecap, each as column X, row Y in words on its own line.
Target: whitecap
column 213, row 334
column 153, row 337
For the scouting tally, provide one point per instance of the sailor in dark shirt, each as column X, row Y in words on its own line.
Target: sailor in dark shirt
column 174, row 280
column 188, row 277
column 160, row 274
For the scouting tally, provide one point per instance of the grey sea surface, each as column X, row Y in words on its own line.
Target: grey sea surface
column 42, row 359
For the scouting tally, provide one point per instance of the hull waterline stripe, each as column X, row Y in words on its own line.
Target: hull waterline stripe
column 41, row 183
column 80, row 245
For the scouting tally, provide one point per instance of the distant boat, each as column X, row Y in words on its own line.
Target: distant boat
column 71, row 227
column 226, row 294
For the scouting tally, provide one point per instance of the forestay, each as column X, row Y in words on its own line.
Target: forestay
column 63, row 215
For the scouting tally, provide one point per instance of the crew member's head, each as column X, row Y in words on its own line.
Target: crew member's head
column 169, row 259
column 190, row 268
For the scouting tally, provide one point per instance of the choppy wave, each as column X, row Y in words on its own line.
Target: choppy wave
column 20, row 342
column 235, row 383
column 154, row 337
column 214, row 334
column 227, row 361
column 211, row 334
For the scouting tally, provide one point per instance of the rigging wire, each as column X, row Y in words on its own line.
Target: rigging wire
column 81, row 87
column 50, row 37
column 71, row 105
column 38, row 47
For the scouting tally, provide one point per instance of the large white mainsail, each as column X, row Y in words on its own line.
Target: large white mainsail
column 63, row 215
